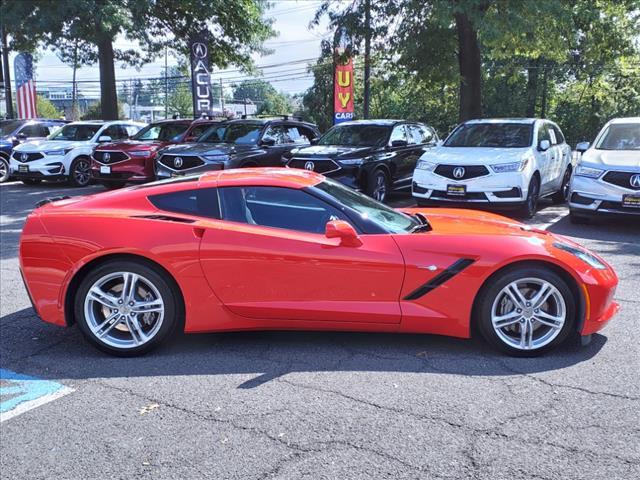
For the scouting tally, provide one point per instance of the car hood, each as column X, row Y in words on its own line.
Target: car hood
column 475, row 155
column 128, row 145
column 42, row 145
column 203, row 148
column 331, row 151
column 612, row 158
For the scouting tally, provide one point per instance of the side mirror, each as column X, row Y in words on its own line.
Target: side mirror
column 582, row 147
column 544, row 145
column 344, row 231
column 399, row 143
column 314, row 140
column 104, row 139
column 21, row 136
column 268, row 142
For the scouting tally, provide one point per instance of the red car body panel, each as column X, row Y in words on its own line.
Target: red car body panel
column 141, row 169
column 235, row 276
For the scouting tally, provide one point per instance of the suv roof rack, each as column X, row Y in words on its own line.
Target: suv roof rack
column 284, row 116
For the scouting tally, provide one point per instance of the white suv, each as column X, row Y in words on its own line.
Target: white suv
column 607, row 177
column 504, row 163
column 66, row 154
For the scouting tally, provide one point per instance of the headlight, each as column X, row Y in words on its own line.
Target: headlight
column 510, row 167
column 58, row 152
column 588, row 172
column 139, row 153
column 352, row 161
column 583, row 255
column 426, row 165
column 215, row 158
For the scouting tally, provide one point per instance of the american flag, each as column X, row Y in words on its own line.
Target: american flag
column 25, row 86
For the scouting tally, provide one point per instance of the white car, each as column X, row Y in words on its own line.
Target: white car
column 503, row 163
column 66, row 153
column 607, row 176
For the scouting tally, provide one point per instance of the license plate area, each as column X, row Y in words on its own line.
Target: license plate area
column 105, row 170
column 23, row 168
column 631, row 201
column 456, row 190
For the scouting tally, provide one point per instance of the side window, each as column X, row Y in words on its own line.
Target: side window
column 198, row 130
column 277, row 133
column 307, row 133
column 201, row 202
column 419, row 134
column 297, row 136
column 559, row 135
column 277, row 207
column 131, row 130
column 34, row 130
column 399, row 133
column 552, row 134
column 543, row 133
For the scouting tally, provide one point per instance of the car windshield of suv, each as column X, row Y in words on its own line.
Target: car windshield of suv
column 213, row 134
column 161, row 132
column 620, row 136
column 7, row 127
column 78, row 132
column 500, row 135
column 241, row 133
column 357, row 135
column 369, row 209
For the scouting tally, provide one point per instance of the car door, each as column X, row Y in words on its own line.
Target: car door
column 545, row 159
column 268, row 258
column 403, row 158
column 555, row 165
column 276, row 142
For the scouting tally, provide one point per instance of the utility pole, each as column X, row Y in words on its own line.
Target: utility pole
column 221, row 98
column 166, row 84
column 543, row 107
column 74, row 88
column 7, row 75
column 367, row 56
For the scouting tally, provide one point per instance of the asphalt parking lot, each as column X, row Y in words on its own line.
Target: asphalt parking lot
column 324, row 405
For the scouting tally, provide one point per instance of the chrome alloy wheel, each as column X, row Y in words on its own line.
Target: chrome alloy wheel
column 380, row 188
column 124, row 310
column 82, row 172
column 528, row 313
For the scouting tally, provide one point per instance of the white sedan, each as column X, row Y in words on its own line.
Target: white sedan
column 607, row 177
column 66, row 154
column 504, row 163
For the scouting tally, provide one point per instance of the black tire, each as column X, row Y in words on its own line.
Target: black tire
column 31, row 181
column 378, row 185
column 577, row 219
column 492, row 290
column 80, row 172
column 113, row 185
column 165, row 287
column 530, row 206
column 4, row 170
column 561, row 195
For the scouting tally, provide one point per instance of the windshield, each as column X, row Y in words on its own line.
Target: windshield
column 241, row 133
column 213, row 134
column 620, row 136
column 356, row 136
column 161, row 132
column 376, row 212
column 501, row 135
column 7, row 127
column 76, row 132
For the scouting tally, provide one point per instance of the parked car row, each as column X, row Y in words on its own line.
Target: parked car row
column 499, row 163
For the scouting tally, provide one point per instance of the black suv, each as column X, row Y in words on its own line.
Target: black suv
column 373, row 156
column 255, row 142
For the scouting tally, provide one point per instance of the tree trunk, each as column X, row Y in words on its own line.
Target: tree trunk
column 108, row 95
column 470, row 69
column 533, row 73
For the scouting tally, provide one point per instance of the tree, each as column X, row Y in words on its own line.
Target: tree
column 46, row 109
column 236, row 29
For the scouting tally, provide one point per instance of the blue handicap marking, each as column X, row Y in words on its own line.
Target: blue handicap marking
column 20, row 393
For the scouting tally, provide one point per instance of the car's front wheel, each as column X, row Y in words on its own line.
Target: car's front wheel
column 530, row 206
column 561, row 195
column 4, row 170
column 126, row 308
column 80, row 172
column 526, row 311
column 378, row 185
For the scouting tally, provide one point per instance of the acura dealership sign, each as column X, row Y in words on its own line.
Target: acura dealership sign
column 200, row 75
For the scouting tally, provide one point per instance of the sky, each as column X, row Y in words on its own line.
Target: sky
column 294, row 41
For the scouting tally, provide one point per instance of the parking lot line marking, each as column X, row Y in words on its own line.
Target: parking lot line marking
column 21, row 393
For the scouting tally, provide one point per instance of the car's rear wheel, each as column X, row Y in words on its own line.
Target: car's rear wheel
column 561, row 195
column 31, row 181
column 126, row 308
column 4, row 170
column 378, row 185
column 528, row 210
column 526, row 311
column 80, row 172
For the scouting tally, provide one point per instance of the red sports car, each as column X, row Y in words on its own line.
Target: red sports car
column 117, row 163
column 274, row 248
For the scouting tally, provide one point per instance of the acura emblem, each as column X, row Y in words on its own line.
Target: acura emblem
column 177, row 162
column 635, row 181
column 107, row 156
column 24, row 157
column 199, row 50
column 309, row 166
column 458, row 172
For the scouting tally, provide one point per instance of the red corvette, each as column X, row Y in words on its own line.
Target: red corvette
column 256, row 249
column 117, row 163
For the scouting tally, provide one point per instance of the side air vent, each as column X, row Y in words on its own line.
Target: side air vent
column 439, row 279
column 166, row 218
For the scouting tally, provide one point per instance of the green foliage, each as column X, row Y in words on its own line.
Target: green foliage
column 46, row 109
column 94, row 112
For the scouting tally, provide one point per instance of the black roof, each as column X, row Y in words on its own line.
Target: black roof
column 381, row 121
column 256, row 120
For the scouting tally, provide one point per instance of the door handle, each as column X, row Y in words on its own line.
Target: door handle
column 198, row 232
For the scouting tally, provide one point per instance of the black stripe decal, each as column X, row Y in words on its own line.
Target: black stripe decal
column 439, row 279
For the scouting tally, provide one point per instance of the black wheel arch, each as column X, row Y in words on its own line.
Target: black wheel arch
column 75, row 282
